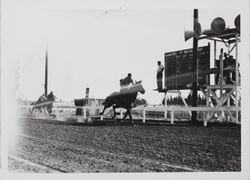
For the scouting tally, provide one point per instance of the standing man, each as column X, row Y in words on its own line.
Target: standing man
column 159, row 75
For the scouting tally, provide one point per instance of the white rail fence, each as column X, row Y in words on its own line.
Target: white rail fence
column 205, row 111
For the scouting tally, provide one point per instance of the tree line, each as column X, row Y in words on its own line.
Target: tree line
column 201, row 100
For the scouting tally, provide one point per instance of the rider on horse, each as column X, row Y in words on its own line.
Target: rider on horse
column 126, row 81
column 51, row 96
column 123, row 99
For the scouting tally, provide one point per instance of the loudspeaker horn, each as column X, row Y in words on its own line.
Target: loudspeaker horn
column 188, row 34
column 237, row 22
column 196, row 33
column 207, row 32
column 218, row 25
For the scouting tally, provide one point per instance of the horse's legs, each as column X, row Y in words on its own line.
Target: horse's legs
column 101, row 113
column 128, row 111
column 125, row 115
column 50, row 109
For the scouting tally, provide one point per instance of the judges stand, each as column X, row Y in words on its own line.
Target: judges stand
column 225, row 93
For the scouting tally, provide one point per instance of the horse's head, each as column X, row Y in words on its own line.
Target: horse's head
column 139, row 87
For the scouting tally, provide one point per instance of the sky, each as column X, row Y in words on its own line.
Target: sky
column 95, row 45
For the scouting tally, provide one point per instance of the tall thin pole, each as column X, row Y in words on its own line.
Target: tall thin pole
column 195, row 71
column 215, row 53
column 221, row 73
column 237, row 82
column 46, row 74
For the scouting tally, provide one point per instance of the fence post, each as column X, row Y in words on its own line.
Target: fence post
column 144, row 116
column 121, row 114
column 205, row 119
column 84, row 114
column 165, row 114
column 172, row 117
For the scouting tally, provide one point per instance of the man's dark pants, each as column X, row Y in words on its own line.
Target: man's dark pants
column 159, row 81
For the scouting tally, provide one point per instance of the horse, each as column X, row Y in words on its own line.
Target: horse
column 44, row 104
column 42, row 107
column 123, row 99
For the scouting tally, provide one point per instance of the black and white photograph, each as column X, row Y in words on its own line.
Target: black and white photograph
column 125, row 88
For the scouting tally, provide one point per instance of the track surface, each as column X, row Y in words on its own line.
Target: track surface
column 44, row 146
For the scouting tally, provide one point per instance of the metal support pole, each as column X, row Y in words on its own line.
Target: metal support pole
column 46, row 75
column 221, row 73
column 221, row 82
column 237, row 76
column 215, row 53
column 195, row 72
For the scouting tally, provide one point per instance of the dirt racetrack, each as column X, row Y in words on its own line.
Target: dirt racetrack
column 45, row 146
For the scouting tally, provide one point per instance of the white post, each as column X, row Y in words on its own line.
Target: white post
column 101, row 117
column 144, row 116
column 84, row 113
column 121, row 114
column 165, row 104
column 172, row 117
column 205, row 119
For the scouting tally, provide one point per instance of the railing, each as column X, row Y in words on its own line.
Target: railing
column 171, row 109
